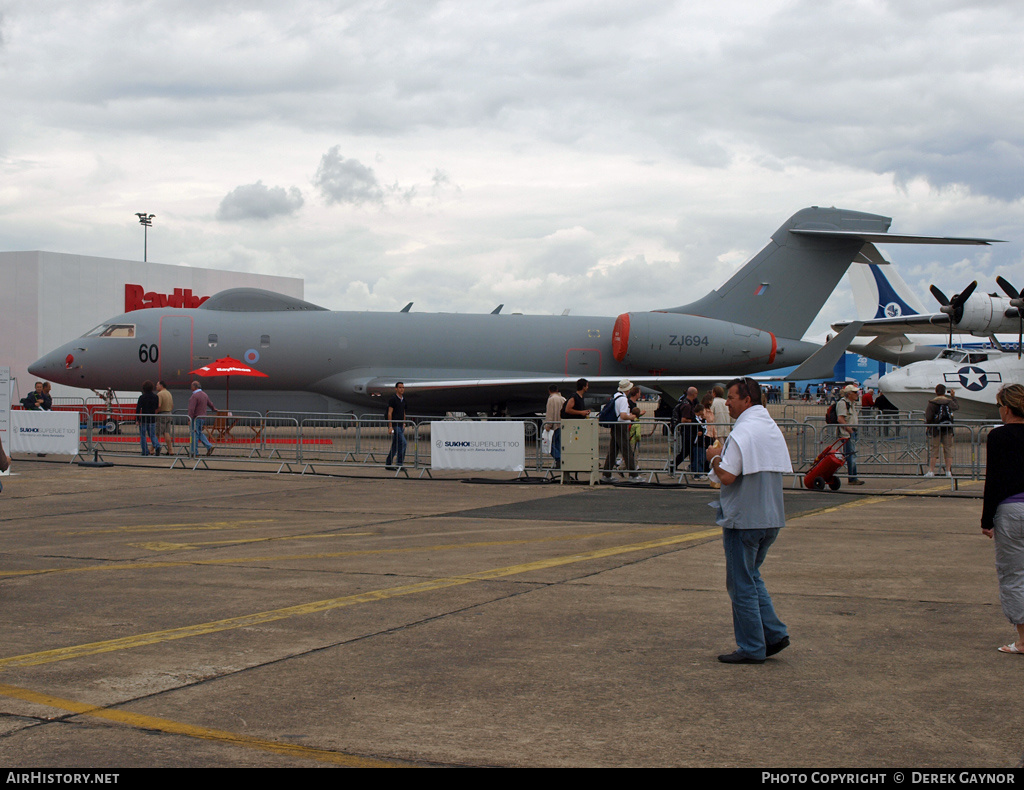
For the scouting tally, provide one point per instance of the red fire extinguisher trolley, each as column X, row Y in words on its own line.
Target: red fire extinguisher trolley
column 823, row 471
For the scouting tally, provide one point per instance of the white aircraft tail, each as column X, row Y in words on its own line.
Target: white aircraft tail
column 881, row 293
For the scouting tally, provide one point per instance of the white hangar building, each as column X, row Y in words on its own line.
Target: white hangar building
column 50, row 298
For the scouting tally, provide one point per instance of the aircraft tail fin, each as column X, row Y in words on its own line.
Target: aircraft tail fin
column 879, row 293
column 783, row 288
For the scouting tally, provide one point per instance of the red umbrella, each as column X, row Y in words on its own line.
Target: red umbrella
column 227, row 366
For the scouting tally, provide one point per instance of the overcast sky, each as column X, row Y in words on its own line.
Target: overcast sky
column 601, row 156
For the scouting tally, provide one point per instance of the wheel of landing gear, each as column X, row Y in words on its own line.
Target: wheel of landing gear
column 819, row 484
column 834, row 484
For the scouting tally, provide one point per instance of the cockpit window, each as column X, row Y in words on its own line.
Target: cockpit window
column 952, row 355
column 112, row 330
column 974, row 359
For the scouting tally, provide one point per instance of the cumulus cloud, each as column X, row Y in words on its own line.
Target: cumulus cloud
column 679, row 135
column 342, row 180
column 909, row 89
column 257, row 201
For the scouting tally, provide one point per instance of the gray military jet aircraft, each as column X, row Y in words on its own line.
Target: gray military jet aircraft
column 322, row 361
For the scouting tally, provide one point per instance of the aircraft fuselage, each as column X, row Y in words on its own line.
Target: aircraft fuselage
column 975, row 376
column 343, row 354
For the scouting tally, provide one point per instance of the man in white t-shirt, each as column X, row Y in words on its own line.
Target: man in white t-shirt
column 751, row 513
column 619, row 442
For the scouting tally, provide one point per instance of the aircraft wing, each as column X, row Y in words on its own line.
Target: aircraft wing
column 929, row 323
column 890, row 238
column 528, row 387
column 821, row 363
column 531, row 385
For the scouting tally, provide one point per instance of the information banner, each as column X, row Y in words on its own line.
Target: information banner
column 50, row 432
column 491, row 446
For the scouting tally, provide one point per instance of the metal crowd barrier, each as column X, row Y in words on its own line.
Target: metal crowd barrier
column 67, row 403
column 885, row 446
column 351, row 440
column 299, row 416
column 904, row 448
column 651, row 442
column 801, row 439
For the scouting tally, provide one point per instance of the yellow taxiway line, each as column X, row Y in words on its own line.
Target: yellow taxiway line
column 181, row 527
column 272, row 615
column 164, row 546
column 257, row 618
column 155, row 723
column 132, row 566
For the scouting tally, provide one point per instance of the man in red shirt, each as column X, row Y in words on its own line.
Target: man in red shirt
column 198, row 405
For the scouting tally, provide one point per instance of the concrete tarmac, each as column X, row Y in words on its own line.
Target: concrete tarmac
column 237, row 618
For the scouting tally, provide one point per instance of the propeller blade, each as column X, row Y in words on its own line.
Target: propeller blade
column 964, row 295
column 941, row 297
column 959, row 300
column 1008, row 289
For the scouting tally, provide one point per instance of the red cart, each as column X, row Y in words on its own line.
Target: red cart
column 823, row 470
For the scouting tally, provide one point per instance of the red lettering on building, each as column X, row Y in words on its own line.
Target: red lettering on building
column 138, row 298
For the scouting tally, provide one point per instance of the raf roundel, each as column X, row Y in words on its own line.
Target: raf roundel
column 252, row 356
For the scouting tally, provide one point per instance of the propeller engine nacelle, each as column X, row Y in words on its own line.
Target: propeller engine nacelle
column 979, row 314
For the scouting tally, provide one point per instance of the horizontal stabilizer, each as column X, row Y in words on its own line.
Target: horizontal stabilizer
column 821, row 364
column 889, row 238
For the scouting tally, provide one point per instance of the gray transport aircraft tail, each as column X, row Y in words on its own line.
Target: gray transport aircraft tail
column 783, row 287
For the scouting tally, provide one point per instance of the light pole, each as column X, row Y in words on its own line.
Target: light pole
column 147, row 222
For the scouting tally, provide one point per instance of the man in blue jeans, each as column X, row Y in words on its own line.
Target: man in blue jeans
column 751, row 513
column 846, row 416
column 396, row 425
column 198, row 405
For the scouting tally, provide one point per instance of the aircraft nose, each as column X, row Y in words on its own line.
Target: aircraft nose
column 53, row 366
column 39, row 367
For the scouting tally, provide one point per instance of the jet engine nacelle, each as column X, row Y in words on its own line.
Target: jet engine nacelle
column 674, row 342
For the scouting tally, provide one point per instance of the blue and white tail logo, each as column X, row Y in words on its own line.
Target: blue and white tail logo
column 881, row 293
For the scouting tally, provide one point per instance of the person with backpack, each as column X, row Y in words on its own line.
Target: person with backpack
column 683, row 414
column 616, row 415
column 938, row 416
column 846, row 419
